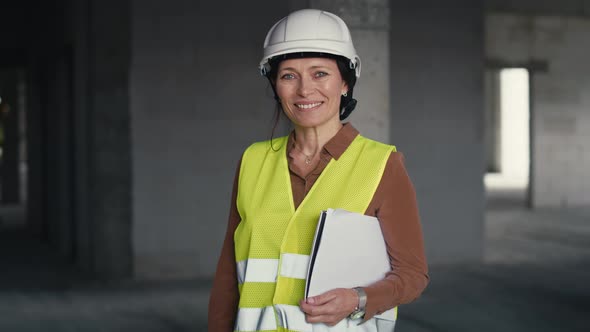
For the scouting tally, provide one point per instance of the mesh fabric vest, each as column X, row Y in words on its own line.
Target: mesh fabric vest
column 273, row 239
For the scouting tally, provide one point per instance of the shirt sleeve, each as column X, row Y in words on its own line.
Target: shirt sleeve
column 394, row 204
column 224, row 297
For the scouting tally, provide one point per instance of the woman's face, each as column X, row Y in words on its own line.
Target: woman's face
column 310, row 90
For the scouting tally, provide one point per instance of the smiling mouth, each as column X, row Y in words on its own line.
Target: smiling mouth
column 308, row 106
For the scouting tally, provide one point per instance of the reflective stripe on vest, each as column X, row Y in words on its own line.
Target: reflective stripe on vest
column 273, row 239
column 288, row 317
column 256, row 319
column 266, row 270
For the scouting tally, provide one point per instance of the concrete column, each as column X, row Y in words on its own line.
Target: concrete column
column 109, row 136
column 10, row 148
column 36, row 207
column 437, row 119
column 58, row 150
column 101, row 33
column 81, row 131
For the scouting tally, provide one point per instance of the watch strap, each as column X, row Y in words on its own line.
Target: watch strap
column 359, row 311
column 362, row 298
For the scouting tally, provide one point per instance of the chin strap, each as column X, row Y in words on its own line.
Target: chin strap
column 348, row 104
column 346, row 110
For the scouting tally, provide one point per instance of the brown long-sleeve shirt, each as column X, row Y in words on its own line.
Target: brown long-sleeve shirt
column 394, row 204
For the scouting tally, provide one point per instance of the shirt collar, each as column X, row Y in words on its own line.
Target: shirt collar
column 341, row 141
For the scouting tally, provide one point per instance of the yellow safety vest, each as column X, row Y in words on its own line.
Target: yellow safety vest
column 273, row 239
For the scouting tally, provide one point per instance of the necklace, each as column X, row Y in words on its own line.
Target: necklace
column 308, row 159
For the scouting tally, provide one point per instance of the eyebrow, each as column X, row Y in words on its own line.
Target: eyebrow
column 312, row 67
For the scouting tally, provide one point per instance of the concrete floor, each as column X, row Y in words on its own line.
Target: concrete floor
column 535, row 278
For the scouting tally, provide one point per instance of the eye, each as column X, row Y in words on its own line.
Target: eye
column 287, row 76
column 321, row 74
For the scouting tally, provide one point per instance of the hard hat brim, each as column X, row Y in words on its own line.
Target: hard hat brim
column 327, row 46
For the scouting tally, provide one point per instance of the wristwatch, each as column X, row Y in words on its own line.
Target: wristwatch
column 359, row 311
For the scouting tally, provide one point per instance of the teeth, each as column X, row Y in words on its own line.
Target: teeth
column 305, row 106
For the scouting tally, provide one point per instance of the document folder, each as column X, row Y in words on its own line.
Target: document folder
column 348, row 251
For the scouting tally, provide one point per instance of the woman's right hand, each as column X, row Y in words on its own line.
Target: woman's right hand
column 330, row 307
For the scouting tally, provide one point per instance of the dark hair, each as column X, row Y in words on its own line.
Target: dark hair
column 347, row 104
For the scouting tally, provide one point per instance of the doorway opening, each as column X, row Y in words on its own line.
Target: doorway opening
column 507, row 138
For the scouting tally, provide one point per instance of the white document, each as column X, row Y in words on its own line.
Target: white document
column 348, row 251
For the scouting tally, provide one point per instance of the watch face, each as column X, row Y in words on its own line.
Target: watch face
column 357, row 314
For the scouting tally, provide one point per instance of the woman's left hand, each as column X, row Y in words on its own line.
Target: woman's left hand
column 330, row 307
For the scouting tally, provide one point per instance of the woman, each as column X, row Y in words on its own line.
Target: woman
column 282, row 185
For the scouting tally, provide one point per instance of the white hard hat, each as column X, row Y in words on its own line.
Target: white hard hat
column 310, row 30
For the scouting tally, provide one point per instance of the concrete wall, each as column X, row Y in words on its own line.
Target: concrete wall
column 167, row 96
column 437, row 119
column 560, row 99
column 540, row 7
column 197, row 100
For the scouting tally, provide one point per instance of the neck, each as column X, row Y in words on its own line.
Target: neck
column 311, row 140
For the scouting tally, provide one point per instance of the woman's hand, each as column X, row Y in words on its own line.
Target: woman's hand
column 330, row 307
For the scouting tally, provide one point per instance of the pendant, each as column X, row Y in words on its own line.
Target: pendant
column 307, row 160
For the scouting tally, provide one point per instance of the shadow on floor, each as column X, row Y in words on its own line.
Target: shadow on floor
column 40, row 291
column 496, row 297
column 30, row 264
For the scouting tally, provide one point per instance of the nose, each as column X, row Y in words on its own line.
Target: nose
column 305, row 87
